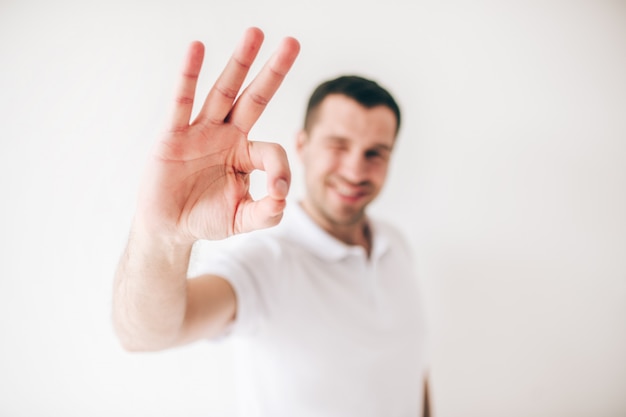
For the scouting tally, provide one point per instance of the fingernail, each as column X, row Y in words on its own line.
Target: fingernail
column 282, row 187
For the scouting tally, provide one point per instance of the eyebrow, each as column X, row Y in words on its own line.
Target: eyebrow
column 383, row 147
column 379, row 146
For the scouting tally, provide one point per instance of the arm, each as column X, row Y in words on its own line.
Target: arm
column 196, row 186
column 427, row 411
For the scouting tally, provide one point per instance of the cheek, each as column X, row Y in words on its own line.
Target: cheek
column 379, row 173
column 323, row 163
column 317, row 166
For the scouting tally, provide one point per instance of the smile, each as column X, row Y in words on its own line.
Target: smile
column 350, row 192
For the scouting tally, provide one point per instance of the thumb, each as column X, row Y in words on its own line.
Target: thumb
column 271, row 158
column 261, row 214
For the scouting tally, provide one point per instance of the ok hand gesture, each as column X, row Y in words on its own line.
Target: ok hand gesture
column 197, row 182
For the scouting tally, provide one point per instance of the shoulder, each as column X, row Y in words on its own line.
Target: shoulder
column 391, row 235
column 256, row 247
column 389, row 230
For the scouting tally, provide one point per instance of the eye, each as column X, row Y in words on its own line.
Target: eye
column 371, row 154
column 337, row 145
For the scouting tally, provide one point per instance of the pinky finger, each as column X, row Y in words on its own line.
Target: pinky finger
column 185, row 93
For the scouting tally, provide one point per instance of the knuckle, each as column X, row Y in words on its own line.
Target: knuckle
column 259, row 99
column 277, row 149
column 184, row 100
column 229, row 93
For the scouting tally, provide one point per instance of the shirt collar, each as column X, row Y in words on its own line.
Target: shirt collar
column 300, row 228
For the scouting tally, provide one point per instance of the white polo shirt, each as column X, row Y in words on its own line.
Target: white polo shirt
column 321, row 330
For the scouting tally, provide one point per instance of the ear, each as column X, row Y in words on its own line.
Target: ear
column 302, row 139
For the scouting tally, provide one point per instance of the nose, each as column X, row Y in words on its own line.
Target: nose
column 354, row 167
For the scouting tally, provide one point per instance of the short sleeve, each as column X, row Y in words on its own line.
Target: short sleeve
column 251, row 264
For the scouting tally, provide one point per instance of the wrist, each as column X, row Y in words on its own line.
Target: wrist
column 161, row 245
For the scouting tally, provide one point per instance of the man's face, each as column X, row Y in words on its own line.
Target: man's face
column 345, row 156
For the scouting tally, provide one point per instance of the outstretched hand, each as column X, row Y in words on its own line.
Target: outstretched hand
column 197, row 183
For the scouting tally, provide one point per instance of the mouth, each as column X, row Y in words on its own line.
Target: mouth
column 350, row 194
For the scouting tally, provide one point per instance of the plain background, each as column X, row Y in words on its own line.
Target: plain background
column 509, row 179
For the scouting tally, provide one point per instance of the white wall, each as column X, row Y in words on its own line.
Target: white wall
column 509, row 178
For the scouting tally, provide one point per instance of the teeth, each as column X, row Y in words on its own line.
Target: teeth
column 347, row 192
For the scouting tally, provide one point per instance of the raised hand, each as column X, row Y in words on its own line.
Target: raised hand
column 197, row 182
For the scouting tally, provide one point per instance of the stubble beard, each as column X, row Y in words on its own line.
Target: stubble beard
column 341, row 217
column 336, row 216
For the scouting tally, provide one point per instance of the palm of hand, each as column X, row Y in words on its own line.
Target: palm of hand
column 197, row 184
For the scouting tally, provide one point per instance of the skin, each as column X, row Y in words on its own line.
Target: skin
column 346, row 157
column 196, row 186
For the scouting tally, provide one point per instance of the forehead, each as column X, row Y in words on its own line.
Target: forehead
column 342, row 116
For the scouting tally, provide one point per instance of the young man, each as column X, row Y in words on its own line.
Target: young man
column 323, row 308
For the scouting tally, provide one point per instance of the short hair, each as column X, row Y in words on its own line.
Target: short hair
column 366, row 92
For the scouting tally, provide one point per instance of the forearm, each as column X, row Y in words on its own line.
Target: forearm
column 196, row 186
column 149, row 297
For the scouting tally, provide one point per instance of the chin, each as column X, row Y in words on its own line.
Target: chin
column 349, row 217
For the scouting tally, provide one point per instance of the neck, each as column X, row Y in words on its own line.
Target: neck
column 356, row 234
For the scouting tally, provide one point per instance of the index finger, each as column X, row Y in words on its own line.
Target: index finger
column 250, row 105
column 219, row 101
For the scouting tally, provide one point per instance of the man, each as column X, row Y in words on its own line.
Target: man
column 323, row 308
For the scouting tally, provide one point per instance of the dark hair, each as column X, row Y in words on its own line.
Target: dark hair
column 366, row 92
